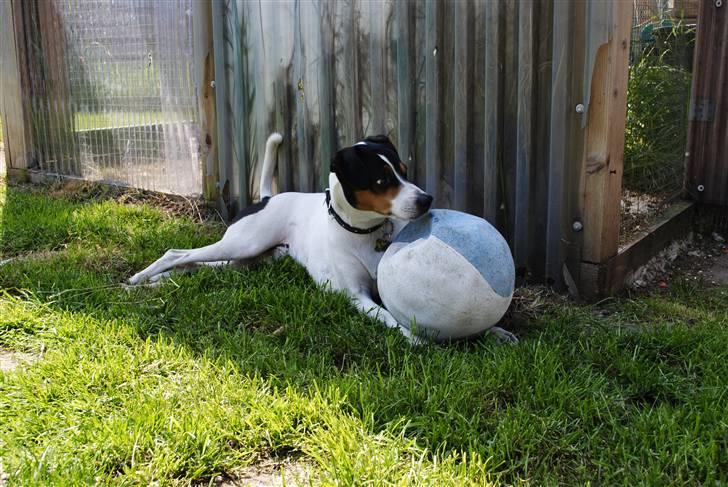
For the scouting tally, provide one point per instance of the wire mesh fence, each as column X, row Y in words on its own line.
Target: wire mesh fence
column 113, row 92
column 661, row 58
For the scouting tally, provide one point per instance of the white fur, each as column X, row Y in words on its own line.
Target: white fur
column 404, row 205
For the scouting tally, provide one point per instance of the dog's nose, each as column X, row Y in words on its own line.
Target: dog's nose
column 424, row 201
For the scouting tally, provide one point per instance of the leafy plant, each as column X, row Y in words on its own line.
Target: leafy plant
column 657, row 104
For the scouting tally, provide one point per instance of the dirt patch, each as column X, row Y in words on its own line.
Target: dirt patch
column 528, row 304
column 718, row 274
column 270, row 473
column 10, row 361
column 84, row 191
column 702, row 259
column 639, row 211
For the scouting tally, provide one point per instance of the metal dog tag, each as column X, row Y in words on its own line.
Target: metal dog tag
column 381, row 244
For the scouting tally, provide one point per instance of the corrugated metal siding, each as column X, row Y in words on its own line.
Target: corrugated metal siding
column 707, row 158
column 479, row 96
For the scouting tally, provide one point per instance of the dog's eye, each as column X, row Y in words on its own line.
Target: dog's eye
column 380, row 182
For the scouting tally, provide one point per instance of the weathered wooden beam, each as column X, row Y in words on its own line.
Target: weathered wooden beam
column 204, row 66
column 599, row 280
column 222, row 112
column 13, row 95
column 493, row 73
column 432, row 98
column 604, row 153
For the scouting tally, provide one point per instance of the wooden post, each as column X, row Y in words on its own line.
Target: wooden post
column 604, row 151
column 204, row 66
column 49, row 65
column 13, row 96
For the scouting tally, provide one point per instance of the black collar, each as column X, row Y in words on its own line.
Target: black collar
column 343, row 224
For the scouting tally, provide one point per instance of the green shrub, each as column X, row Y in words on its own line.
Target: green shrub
column 657, row 103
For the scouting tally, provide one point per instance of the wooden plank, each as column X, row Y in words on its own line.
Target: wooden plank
column 221, row 109
column 377, row 74
column 327, row 95
column 16, row 117
column 351, row 90
column 603, row 160
column 558, row 121
column 305, row 166
column 405, row 76
column 493, row 94
column 524, row 129
column 461, row 103
column 58, row 86
column 706, row 177
column 432, row 100
column 283, row 94
column 600, row 280
column 204, row 68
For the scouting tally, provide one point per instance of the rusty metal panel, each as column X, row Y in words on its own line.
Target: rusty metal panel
column 707, row 154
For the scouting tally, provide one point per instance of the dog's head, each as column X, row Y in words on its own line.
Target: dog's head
column 375, row 179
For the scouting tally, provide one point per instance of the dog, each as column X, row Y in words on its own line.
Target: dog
column 339, row 235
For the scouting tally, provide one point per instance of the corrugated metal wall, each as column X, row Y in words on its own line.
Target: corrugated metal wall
column 479, row 96
column 707, row 154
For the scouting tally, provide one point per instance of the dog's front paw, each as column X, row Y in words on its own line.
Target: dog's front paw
column 504, row 335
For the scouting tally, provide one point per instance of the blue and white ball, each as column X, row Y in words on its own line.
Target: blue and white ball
column 449, row 273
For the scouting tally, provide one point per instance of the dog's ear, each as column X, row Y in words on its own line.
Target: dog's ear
column 381, row 139
column 349, row 165
column 383, row 145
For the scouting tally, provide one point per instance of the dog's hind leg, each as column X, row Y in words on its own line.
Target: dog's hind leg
column 246, row 239
column 224, row 250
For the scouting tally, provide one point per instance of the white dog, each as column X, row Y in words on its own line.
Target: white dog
column 339, row 236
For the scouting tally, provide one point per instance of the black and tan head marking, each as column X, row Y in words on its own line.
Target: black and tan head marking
column 372, row 175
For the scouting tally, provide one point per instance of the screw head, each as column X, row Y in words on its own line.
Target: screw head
column 577, row 226
column 579, row 108
column 719, row 3
column 701, row 188
column 212, row 84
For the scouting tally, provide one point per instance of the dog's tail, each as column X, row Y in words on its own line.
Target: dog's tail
column 269, row 165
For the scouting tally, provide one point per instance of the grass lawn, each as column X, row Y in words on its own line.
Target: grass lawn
column 100, row 120
column 222, row 369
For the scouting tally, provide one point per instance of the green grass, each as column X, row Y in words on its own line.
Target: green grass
column 99, row 120
column 219, row 369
